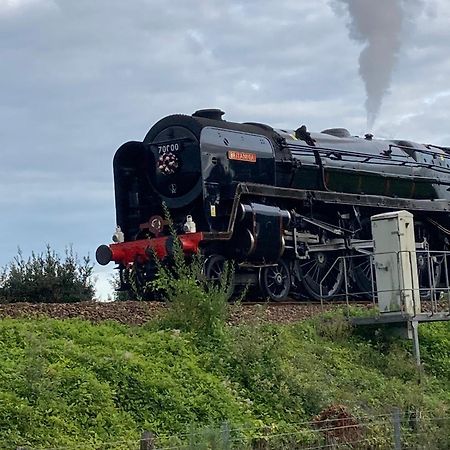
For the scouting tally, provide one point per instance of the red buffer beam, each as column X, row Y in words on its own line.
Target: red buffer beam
column 143, row 250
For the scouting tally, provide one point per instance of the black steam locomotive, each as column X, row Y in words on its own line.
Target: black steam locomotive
column 283, row 205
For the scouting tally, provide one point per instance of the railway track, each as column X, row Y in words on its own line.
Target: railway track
column 138, row 313
column 309, row 303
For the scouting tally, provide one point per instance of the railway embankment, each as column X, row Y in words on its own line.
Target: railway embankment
column 79, row 382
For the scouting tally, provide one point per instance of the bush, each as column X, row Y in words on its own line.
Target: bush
column 195, row 303
column 73, row 384
column 435, row 348
column 47, row 278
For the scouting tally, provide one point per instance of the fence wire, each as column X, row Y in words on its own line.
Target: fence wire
column 407, row 431
column 422, row 277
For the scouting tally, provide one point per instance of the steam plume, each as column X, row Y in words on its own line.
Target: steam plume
column 377, row 24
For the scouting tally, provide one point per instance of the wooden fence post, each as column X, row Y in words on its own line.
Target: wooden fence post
column 147, row 441
column 397, row 420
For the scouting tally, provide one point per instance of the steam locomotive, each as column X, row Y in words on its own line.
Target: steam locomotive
column 283, row 205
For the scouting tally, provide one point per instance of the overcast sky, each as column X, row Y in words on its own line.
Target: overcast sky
column 80, row 77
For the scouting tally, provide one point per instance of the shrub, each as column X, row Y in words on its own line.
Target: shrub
column 76, row 385
column 46, row 277
column 195, row 303
column 435, row 348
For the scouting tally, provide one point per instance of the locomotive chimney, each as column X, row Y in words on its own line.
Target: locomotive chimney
column 213, row 114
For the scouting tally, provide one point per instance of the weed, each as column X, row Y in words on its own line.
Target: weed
column 195, row 303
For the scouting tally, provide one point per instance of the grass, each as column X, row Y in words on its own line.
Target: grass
column 70, row 382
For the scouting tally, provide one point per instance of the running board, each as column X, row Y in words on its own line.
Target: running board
column 362, row 246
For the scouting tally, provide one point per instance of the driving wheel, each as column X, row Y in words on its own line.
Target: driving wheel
column 275, row 281
column 215, row 268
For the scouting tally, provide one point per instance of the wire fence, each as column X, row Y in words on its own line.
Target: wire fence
column 422, row 280
column 411, row 430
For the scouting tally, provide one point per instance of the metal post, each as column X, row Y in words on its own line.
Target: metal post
column 321, row 295
column 447, row 285
column 433, row 279
column 416, row 345
column 430, row 281
column 415, row 288
column 401, row 290
column 346, row 283
column 411, row 271
column 372, row 277
column 396, row 419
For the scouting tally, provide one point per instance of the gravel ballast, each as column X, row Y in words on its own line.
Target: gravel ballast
column 138, row 313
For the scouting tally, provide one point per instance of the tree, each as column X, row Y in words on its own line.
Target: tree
column 47, row 278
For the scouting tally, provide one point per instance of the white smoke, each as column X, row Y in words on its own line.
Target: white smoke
column 379, row 25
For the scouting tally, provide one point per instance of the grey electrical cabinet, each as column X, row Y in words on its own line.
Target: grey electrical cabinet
column 395, row 263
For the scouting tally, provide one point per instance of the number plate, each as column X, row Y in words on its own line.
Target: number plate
column 169, row 147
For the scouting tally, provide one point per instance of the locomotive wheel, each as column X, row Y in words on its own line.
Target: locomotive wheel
column 429, row 270
column 215, row 268
column 139, row 276
column 429, row 265
column 362, row 274
column 360, row 269
column 322, row 275
column 275, row 281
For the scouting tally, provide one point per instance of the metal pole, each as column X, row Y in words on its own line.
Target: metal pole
column 346, row 283
column 372, row 277
column 447, row 285
column 431, row 281
column 416, row 345
column 321, row 294
column 401, row 291
column 411, row 275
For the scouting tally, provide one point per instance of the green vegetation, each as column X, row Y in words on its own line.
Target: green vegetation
column 70, row 382
column 189, row 377
column 196, row 304
column 46, row 277
column 435, row 348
